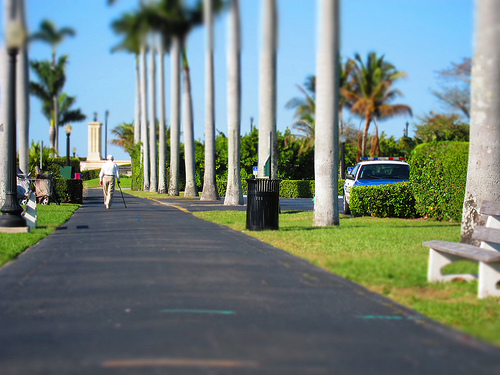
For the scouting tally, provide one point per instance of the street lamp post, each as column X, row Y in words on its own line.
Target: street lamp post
column 11, row 210
column 74, row 152
column 343, row 139
column 68, row 128
column 106, row 114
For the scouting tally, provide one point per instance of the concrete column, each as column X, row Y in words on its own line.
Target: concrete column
column 95, row 141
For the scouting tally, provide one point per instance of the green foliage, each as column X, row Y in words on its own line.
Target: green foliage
column 438, row 128
column 68, row 190
column 222, row 187
column 393, row 200
column 137, row 174
column 297, row 188
column 90, row 174
column 52, row 165
column 438, row 177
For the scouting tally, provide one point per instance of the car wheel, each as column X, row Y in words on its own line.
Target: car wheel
column 347, row 209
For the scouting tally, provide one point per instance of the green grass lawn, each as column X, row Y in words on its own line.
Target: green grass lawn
column 49, row 217
column 386, row 256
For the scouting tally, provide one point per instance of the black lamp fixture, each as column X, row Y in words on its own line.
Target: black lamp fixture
column 11, row 218
column 68, row 128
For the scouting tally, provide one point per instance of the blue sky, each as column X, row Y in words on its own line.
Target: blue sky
column 419, row 37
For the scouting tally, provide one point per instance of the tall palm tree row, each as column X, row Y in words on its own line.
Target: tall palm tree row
column 210, row 192
column 234, row 193
column 326, row 151
column 22, row 95
column 268, row 144
column 50, row 34
column 483, row 172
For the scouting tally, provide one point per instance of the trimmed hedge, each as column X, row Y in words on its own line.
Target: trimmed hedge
column 438, row 177
column 393, row 200
column 68, row 190
column 288, row 188
column 90, row 174
column 52, row 165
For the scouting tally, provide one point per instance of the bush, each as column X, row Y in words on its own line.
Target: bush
column 288, row 188
column 393, row 200
column 90, row 174
column 297, row 188
column 68, row 190
column 52, row 165
column 438, row 177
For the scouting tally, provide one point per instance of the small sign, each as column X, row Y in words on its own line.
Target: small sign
column 31, row 215
column 255, row 171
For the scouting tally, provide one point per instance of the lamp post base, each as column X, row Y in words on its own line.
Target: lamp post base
column 11, row 213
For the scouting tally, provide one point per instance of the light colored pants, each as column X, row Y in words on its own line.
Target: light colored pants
column 108, row 188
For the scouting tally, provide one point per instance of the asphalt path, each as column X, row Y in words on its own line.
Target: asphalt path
column 151, row 289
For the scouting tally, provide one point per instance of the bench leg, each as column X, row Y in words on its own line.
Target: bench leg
column 489, row 276
column 438, row 260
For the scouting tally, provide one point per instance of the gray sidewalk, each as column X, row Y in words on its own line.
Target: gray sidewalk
column 151, row 289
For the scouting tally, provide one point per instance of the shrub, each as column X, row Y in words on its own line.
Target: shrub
column 297, row 188
column 90, row 174
column 393, row 200
column 68, row 190
column 438, row 177
column 288, row 188
column 52, row 165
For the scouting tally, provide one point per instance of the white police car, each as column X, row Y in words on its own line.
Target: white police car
column 375, row 171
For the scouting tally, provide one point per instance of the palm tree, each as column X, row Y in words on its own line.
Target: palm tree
column 129, row 25
column 268, row 144
column 163, row 46
column 372, row 92
column 22, row 95
column 49, row 33
column 153, row 182
column 234, row 193
column 66, row 113
column 124, row 136
column 483, row 172
column 51, row 81
column 305, row 109
column 210, row 192
column 326, row 153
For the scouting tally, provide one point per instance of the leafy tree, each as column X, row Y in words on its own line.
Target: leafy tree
column 440, row 127
column 455, row 87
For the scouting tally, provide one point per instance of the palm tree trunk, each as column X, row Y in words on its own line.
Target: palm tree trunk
column 234, row 193
column 162, row 143
column 364, row 138
column 483, row 173
column 173, row 188
column 210, row 192
column 268, row 144
column 153, row 185
column 22, row 99
column 326, row 156
column 189, row 153
column 3, row 119
column 144, row 117
column 137, row 118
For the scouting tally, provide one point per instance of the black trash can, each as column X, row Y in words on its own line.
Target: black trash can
column 263, row 204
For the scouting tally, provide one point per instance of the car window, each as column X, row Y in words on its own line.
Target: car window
column 385, row 171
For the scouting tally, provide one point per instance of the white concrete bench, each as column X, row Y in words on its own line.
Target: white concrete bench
column 487, row 255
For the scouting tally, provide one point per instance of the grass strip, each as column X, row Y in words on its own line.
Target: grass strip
column 50, row 217
column 387, row 257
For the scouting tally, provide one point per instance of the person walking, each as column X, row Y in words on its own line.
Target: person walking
column 107, row 176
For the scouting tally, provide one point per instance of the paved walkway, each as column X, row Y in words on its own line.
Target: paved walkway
column 151, row 289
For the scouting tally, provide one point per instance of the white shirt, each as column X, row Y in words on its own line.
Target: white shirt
column 110, row 168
